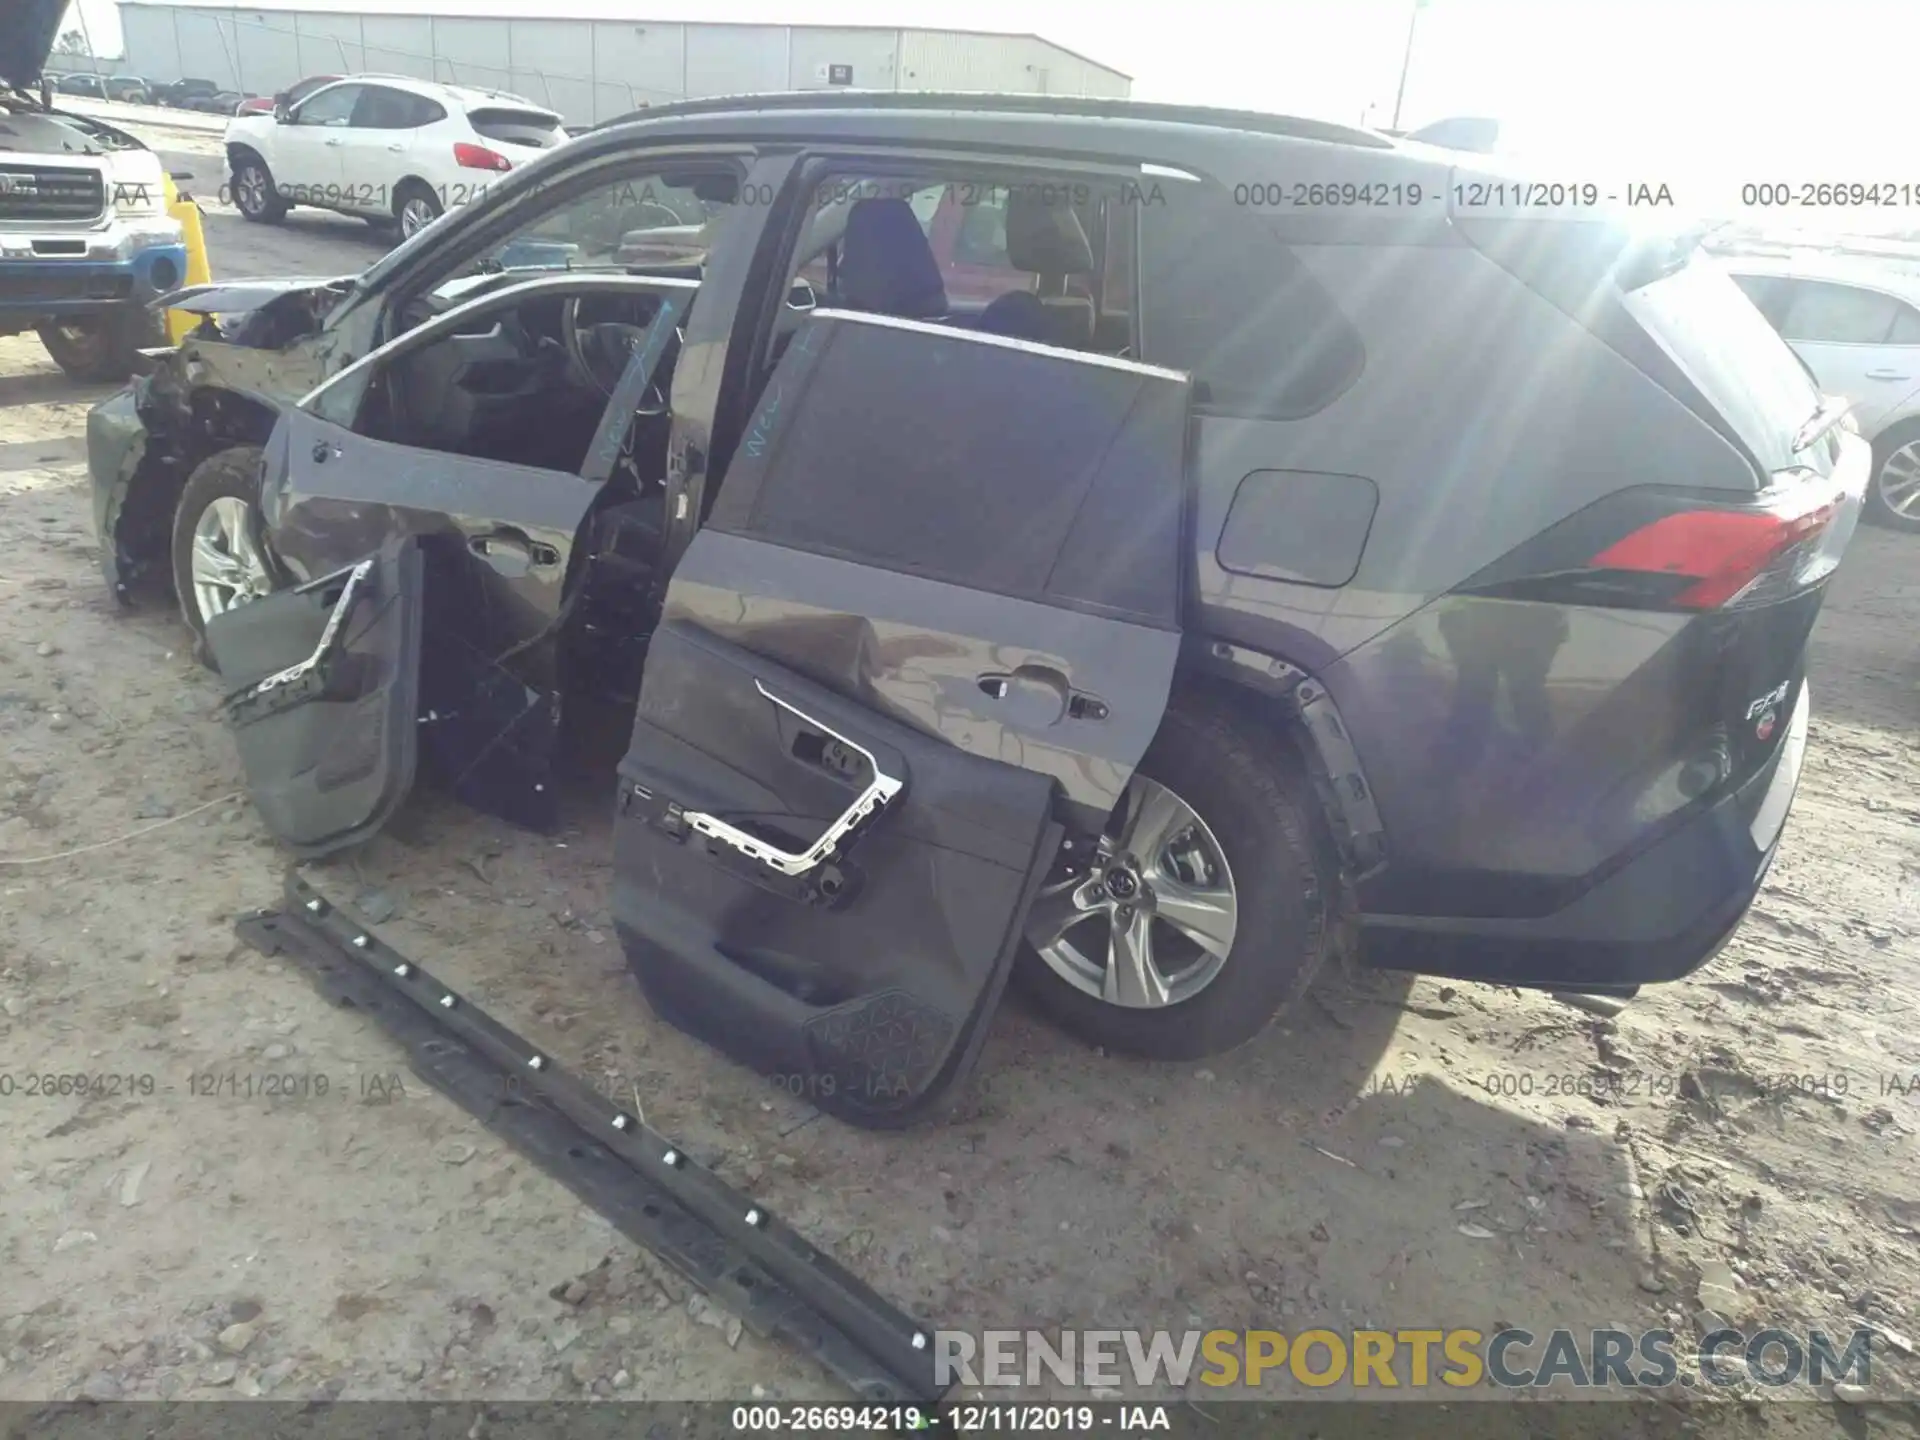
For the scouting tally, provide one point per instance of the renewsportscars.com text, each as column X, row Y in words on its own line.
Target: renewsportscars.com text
column 1374, row 1360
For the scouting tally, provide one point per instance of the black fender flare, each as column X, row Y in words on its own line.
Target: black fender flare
column 1314, row 723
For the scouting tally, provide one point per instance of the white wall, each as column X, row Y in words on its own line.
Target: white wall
column 873, row 56
column 589, row 70
column 635, row 65
column 1020, row 64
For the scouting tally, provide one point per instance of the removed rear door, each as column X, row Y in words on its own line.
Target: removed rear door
column 932, row 620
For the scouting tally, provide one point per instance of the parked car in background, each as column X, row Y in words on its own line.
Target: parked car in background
column 93, row 87
column 292, row 95
column 128, row 89
column 391, row 149
column 1166, row 619
column 1856, row 324
column 187, row 94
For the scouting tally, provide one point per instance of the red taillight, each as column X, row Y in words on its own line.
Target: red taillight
column 1654, row 548
column 469, row 156
column 1721, row 551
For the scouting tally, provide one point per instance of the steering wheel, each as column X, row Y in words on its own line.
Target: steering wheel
column 601, row 349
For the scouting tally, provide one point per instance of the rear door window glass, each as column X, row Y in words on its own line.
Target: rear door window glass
column 1906, row 326
column 1768, row 293
column 861, row 411
column 383, row 109
column 1823, row 312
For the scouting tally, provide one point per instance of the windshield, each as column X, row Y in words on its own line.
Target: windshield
column 659, row 222
column 27, row 129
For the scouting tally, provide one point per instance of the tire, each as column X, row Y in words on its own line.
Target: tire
column 255, row 195
column 415, row 207
column 1255, row 802
column 227, row 475
column 101, row 346
column 1896, row 467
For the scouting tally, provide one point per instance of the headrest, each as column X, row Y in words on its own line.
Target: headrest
column 886, row 264
column 1044, row 235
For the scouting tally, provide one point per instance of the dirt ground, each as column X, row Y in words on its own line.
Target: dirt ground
column 1395, row 1154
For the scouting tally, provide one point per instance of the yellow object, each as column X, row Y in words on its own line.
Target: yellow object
column 193, row 236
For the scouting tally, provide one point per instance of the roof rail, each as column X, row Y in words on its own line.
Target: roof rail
column 1088, row 107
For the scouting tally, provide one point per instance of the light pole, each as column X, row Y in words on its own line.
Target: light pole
column 1406, row 60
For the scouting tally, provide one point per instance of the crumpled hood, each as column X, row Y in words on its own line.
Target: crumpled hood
column 237, row 297
column 27, row 31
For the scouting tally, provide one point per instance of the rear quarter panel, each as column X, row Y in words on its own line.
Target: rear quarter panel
column 1506, row 742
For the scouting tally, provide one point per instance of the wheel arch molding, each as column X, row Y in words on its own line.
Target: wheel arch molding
column 1306, row 715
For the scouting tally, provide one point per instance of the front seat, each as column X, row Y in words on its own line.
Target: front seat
column 887, row 266
column 1044, row 236
column 1017, row 315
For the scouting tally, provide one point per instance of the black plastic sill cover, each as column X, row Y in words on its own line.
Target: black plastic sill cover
column 732, row 1247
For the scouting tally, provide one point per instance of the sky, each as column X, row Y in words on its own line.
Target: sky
column 1787, row 85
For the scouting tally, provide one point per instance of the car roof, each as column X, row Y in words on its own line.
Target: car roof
column 467, row 97
column 881, row 104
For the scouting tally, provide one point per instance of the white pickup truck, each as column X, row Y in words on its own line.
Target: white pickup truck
column 86, row 237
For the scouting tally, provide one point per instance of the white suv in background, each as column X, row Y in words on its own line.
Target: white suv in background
column 1856, row 324
column 394, row 150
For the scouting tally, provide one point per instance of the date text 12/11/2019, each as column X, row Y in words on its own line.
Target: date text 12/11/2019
column 1525, row 197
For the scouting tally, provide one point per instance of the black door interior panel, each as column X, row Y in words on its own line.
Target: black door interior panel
column 865, row 981
column 323, row 688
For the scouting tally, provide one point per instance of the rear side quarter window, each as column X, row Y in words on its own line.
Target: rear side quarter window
column 1222, row 296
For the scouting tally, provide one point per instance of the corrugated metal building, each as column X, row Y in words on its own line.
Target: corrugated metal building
column 589, row 69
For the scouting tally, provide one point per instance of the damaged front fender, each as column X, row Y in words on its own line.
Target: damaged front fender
column 259, row 346
column 116, row 449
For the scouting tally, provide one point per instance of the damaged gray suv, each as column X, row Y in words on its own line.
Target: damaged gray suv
column 1133, row 547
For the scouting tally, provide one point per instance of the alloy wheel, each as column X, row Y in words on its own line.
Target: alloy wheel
column 1151, row 920
column 1899, row 481
column 229, row 567
column 250, row 190
column 415, row 215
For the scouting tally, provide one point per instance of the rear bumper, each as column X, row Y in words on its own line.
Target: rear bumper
column 1660, row 916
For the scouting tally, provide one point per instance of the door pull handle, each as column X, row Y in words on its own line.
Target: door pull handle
column 511, row 553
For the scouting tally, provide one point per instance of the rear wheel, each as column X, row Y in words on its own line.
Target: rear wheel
column 220, row 554
column 1208, row 907
column 415, row 207
column 255, row 195
column 1893, row 495
column 102, row 346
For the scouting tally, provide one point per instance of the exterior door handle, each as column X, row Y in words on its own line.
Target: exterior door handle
column 999, row 685
column 333, row 142
column 396, row 148
column 324, row 451
column 512, row 553
column 1887, row 375
column 1039, row 695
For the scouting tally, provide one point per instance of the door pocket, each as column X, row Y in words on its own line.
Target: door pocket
column 325, row 681
column 822, row 893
